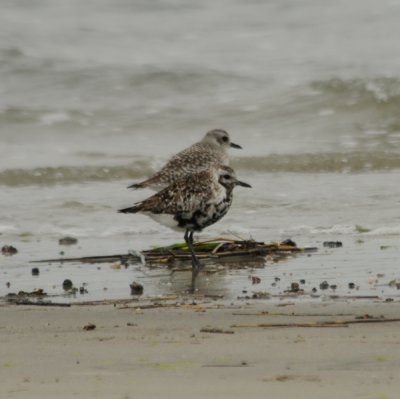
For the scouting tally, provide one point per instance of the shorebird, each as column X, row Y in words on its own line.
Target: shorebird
column 212, row 150
column 192, row 203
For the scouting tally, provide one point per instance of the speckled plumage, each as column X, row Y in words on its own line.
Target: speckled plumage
column 192, row 202
column 211, row 151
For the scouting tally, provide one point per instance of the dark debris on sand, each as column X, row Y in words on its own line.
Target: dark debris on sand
column 8, row 250
column 215, row 249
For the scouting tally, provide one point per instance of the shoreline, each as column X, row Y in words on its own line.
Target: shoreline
column 203, row 348
column 357, row 269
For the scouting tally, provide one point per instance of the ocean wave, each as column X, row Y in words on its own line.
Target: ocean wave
column 346, row 229
column 67, row 175
column 54, row 74
column 381, row 91
column 352, row 162
column 349, row 162
column 41, row 116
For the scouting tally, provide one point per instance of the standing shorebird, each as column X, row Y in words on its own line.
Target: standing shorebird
column 192, row 203
column 211, row 151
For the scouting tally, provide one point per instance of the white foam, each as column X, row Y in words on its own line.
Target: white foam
column 53, row 117
column 384, row 231
column 6, row 228
column 377, row 91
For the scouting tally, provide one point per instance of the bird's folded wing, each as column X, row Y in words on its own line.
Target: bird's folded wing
column 181, row 196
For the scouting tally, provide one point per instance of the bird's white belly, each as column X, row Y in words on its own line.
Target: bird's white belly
column 165, row 220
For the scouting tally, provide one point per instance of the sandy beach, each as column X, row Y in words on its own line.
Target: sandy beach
column 99, row 95
column 201, row 349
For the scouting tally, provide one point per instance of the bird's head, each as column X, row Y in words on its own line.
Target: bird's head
column 219, row 137
column 228, row 179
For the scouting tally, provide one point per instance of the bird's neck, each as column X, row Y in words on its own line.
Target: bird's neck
column 228, row 189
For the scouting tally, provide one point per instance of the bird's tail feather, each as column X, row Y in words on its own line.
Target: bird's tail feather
column 131, row 209
column 135, row 186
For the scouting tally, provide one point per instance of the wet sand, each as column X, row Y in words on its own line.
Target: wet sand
column 207, row 349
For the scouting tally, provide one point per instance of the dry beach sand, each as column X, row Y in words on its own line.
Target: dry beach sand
column 97, row 95
column 181, row 349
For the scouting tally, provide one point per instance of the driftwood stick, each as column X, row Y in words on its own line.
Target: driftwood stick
column 91, row 259
column 286, row 325
column 40, row 303
column 216, row 330
column 372, row 321
column 290, row 314
column 334, row 323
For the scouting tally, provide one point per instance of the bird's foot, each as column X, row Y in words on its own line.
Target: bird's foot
column 196, row 267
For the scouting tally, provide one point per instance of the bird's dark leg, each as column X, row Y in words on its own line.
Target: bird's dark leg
column 189, row 241
column 195, row 263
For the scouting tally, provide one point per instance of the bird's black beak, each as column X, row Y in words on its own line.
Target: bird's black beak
column 235, row 145
column 243, row 184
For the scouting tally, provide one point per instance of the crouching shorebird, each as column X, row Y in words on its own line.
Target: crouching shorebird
column 211, row 151
column 192, row 203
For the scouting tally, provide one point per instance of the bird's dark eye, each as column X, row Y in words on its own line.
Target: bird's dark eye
column 227, row 176
column 225, row 139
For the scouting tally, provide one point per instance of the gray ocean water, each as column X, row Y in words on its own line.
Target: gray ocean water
column 98, row 94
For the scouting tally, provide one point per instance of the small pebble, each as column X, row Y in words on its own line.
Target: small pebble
column 67, row 285
column 83, row 290
column 294, row 287
column 8, row 250
column 35, row 271
column 89, row 327
column 332, row 244
column 302, row 281
column 314, row 290
column 67, row 241
column 324, row 285
column 351, row 286
column 136, row 288
column 255, row 280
